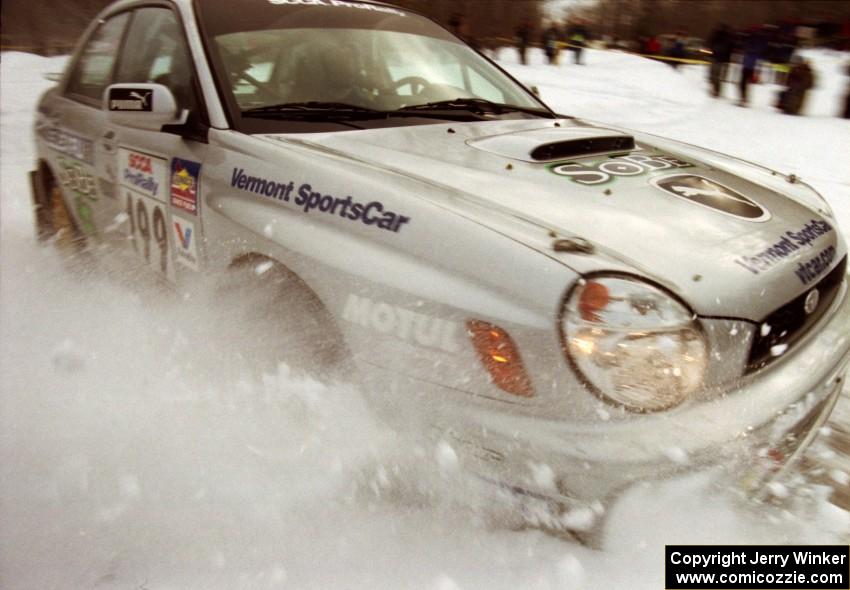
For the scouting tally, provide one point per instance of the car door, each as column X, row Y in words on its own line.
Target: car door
column 158, row 172
column 72, row 126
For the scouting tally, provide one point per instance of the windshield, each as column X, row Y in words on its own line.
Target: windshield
column 346, row 53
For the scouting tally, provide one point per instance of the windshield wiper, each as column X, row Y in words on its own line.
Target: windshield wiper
column 311, row 108
column 477, row 105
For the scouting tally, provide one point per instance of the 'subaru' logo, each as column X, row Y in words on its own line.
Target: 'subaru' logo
column 713, row 195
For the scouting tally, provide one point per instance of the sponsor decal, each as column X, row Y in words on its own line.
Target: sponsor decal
column 74, row 178
column 404, row 324
column 711, row 194
column 604, row 171
column 185, row 175
column 83, row 189
column 148, row 231
column 186, row 250
column 131, row 99
column 811, row 269
column 373, row 213
column 339, row 3
column 143, row 178
column 788, row 244
column 69, row 144
column 142, row 173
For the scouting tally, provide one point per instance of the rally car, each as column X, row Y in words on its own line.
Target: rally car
column 532, row 288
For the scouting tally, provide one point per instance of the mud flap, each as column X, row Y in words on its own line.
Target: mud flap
column 41, row 207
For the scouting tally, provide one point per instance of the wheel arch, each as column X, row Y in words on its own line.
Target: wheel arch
column 294, row 282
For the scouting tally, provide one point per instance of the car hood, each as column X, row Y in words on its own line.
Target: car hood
column 723, row 235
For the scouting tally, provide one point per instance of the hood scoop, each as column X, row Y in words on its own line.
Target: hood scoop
column 577, row 148
column 546, row 145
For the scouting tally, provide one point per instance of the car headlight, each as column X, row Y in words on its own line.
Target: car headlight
column 634, row 344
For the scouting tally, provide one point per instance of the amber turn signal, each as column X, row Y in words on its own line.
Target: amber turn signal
column 500, row 356
column 594, row 298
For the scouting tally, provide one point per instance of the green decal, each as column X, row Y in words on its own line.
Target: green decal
column 85, row 213
column 75, row 179
column 83, row 189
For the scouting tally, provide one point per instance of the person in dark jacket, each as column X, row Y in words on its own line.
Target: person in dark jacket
column 846, row 113
column 676, row 51
column 800, row 80
column 753, row 49
column 523, row 40
column 551, row 40
column 721, row 43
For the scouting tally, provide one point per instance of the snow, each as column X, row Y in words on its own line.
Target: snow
column 650, row 96
column 135, row 454
column 840, row 477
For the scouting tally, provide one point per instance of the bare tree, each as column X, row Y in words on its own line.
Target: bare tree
column 53, row 26
column 635, row 18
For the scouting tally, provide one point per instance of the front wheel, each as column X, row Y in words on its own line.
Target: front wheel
column 279, row 319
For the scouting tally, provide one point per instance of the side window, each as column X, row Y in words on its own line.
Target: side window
column 156, row 52
column 93, row 70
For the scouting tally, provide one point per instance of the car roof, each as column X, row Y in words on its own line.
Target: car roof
column 122, row 4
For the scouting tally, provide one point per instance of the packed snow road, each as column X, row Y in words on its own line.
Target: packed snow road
column 134, row 455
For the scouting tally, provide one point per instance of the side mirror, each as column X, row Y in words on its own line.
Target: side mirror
column 534, row 89
column 142, row 106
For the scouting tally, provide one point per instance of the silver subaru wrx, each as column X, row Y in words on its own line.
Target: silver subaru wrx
column 534, row 288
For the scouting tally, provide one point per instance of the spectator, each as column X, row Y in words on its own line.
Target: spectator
column 844, row 36
column 753, row 49
column 676, row 51
column 721, row 44
column 782, row 59
column 459, row 26
column 652, row 46
column 523, row 40
column 577, row 38
column 551, row 39
column 800, row 80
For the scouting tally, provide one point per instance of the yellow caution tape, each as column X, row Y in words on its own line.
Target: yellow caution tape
column 683, row 60
column 562, row 45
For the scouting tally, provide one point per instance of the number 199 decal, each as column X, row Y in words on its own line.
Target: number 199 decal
column 149, row 232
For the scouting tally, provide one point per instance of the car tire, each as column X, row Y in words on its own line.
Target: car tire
column 286, row 320
column 54, row 221
column 67, row 237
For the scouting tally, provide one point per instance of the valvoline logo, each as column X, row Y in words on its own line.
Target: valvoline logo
column 184, row 236
column 186, row 242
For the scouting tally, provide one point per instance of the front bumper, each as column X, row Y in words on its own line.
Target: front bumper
column 775, row 411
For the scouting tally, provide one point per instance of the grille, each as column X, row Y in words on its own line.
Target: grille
column 790, row 322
